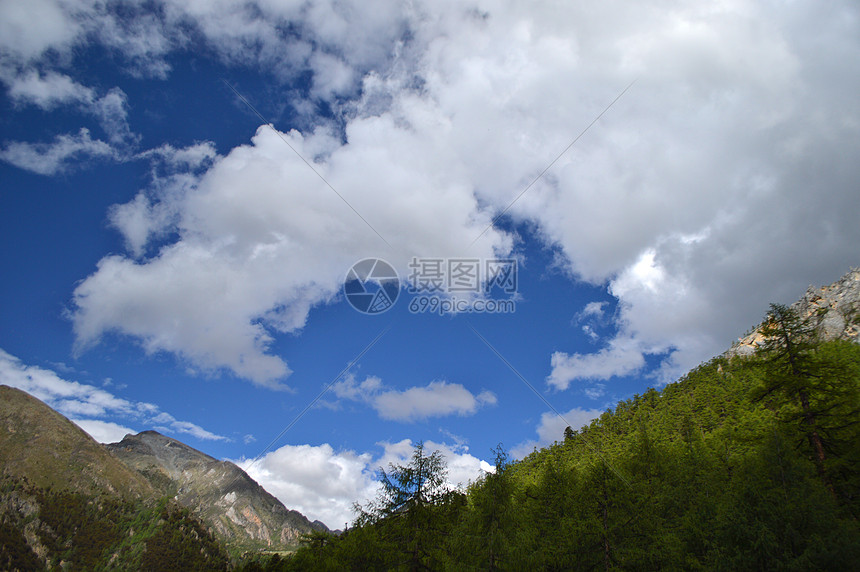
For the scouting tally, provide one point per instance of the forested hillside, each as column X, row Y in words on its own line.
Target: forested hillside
column 746, row 463
column 47, row 529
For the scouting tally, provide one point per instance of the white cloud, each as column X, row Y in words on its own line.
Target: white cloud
column 332, row 76
column 182, row 159
column 323, row 484
column 241, row 271
column 620, row 357
column 104, row 431
column 167, row 423
column 49, row 90
column 76, row 400
column 594, row 316
column 551, row 429
column 592, row 310
column 462, row 468
column 596, row 391
column 143, row 219
column 55, row 157
column 27, row 30
column 733, row 152
column 588, row 330
column 319, row 482
column 437, row 399
column 112, row 112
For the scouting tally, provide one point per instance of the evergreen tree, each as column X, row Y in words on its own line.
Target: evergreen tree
column 481, row 539
column 410, row 508
column 818, row 381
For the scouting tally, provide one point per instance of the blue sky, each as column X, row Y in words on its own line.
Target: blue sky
column 171, row 262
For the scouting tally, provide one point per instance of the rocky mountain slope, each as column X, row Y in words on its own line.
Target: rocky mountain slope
column 66, row 503
column 834, row 311
column 42, row 446
column 229, row 501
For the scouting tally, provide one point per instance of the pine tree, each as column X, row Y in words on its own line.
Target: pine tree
column 803, row 371
column 410, row 507
column 788, row 369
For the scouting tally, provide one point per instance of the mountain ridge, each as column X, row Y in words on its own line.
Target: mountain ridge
column 43, row 448
column 219, row 492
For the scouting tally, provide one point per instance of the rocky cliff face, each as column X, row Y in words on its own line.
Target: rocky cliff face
column 229, row 501
column 833, row 309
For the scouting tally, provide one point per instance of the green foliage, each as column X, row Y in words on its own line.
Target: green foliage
column 407, row 489
column 814, row 386
column 715, row 472
column 15, row 553
column 181, row 543
column 413, row 510
column 84, row 532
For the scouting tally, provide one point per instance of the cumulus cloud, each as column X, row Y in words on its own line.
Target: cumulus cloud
column 166, row 422
column 241, row 269
column 317, row 481
column 620, row 357
column 689, row 199
column 461, row 466
column 437, row 399
column 145, row 218
column 112, row 112
column 28, row 30
column 104, row 431
column 181, row 159
column 323, row 484
column 551, row 429
column 85, row 404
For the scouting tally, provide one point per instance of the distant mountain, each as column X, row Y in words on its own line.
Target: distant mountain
column 237, row 509
column 40, row 447
column 834, row 310
column 66, row 503
column 48, row 450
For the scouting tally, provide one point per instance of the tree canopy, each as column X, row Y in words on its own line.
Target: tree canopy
column 743, row 464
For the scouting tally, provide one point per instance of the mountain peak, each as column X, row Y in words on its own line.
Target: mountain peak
column 49, row 451
column 219, row 492
column 172, row 455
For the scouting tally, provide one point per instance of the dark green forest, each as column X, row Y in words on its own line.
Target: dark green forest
column 748, row 463
column 75, row 531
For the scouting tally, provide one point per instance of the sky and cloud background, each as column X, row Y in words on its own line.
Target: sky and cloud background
column 172, row 261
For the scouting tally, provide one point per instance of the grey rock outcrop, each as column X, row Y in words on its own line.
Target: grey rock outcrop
column 834, row 311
